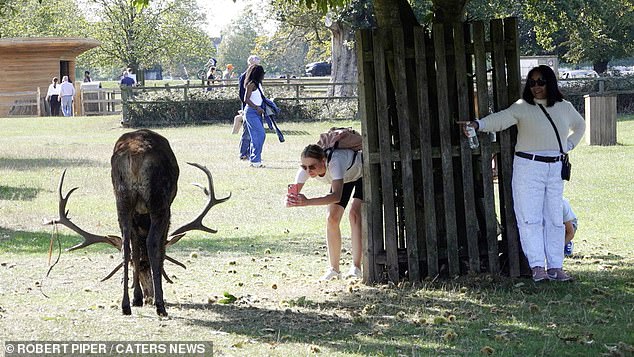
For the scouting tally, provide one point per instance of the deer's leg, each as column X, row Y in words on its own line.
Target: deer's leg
column 136, row 263
column 156, row 253
column 124, row 222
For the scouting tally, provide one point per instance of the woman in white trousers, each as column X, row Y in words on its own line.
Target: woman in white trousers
column 537, row 182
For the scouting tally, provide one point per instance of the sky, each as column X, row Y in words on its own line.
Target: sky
column 221, row 12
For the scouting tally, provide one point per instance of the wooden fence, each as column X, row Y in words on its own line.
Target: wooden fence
column 430, row 199
column 18, row 104
column 99, row 101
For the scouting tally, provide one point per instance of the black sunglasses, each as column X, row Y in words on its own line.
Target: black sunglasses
column 532, row 83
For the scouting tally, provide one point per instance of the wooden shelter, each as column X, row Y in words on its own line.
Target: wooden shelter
column 29, row 64
column 430, row 199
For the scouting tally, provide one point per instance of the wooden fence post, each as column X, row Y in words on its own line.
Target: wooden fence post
column 186, row 100
column 37, row 102
column 600, row 119
column 125, row 96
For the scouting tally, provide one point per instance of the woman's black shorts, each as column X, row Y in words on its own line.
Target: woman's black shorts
column 357, row 186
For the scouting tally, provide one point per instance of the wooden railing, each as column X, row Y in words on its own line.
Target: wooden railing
column 100, row 101
column 21, row 103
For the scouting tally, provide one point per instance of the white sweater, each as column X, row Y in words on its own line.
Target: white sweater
column 534, row 131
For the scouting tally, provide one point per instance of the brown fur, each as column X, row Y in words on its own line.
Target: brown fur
column 144, row 178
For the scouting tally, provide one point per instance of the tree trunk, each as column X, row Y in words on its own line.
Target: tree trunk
column 344, row 59
column 448, row 11
column 387, row 13
column 600, row 66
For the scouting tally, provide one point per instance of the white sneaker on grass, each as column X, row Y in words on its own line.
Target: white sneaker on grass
column 330, row 274
column 354, row 273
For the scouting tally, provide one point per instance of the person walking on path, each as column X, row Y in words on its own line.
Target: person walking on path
column 52, row 96
column 245, row 139
column 254, row 112
column 537, row 183
column 67, row 92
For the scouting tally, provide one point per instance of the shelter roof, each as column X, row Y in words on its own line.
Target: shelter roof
column 68, row 45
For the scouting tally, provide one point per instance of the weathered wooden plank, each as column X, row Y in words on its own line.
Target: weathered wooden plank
column 512, row 53
column 514, row 90
column 445, row 149
column 468, row 198
column 506, row 148
column 424, row 129
column 480, row 62
column 407, row 171
column 384, row 135
column 372, row 213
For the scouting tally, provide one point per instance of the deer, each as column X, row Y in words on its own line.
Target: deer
column 144, row 174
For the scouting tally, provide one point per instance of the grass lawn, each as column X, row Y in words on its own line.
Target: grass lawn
column 269, row 257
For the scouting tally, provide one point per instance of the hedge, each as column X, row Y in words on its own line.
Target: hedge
column 166, row 107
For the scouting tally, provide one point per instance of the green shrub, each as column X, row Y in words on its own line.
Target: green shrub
column 167, row 107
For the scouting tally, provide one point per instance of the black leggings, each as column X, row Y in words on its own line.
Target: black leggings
column 55, row 105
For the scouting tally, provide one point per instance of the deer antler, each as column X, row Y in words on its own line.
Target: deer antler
column 89, row 238
column 197, row 223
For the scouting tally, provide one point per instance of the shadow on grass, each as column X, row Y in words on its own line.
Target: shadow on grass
column 482, row 307
column 18, row 193
column 23, row 242
column 31, row 164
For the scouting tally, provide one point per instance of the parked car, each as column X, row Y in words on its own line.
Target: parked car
column 318, row 69
column 579, row 73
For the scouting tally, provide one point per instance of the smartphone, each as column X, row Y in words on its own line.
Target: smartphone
column 293, row 188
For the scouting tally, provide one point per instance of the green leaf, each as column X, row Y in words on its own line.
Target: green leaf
column 228, row 298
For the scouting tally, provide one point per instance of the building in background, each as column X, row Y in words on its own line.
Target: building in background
column 29, row 64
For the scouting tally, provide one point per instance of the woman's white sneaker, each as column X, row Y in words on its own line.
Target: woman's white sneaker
column 354, row 273
column 330, row 274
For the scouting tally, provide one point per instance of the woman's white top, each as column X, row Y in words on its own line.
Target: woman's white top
column 535, row 134
column 337, row 168
column 256, row 96
column 53, row 90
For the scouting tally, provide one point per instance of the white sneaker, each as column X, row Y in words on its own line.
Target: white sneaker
column 354, row 273
column 330, row 274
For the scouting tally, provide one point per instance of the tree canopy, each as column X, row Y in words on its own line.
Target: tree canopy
column 595, row 31
column 163, row 32
column 35, row 19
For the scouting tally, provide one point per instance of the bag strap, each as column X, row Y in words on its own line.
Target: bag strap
column 331, row 151
column 262, row 94
column 554, row 128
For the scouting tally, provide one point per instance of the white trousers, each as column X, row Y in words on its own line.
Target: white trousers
column 537, row 195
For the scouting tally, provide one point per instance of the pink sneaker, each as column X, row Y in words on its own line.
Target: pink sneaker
column 539, row 274
column 558, row 274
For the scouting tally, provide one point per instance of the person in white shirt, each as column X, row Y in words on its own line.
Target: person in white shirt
column 67, row 92
column 344, row 172
column 52, row 96
column 537, row 181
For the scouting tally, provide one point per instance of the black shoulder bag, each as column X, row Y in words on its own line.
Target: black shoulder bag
column 566, row 166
